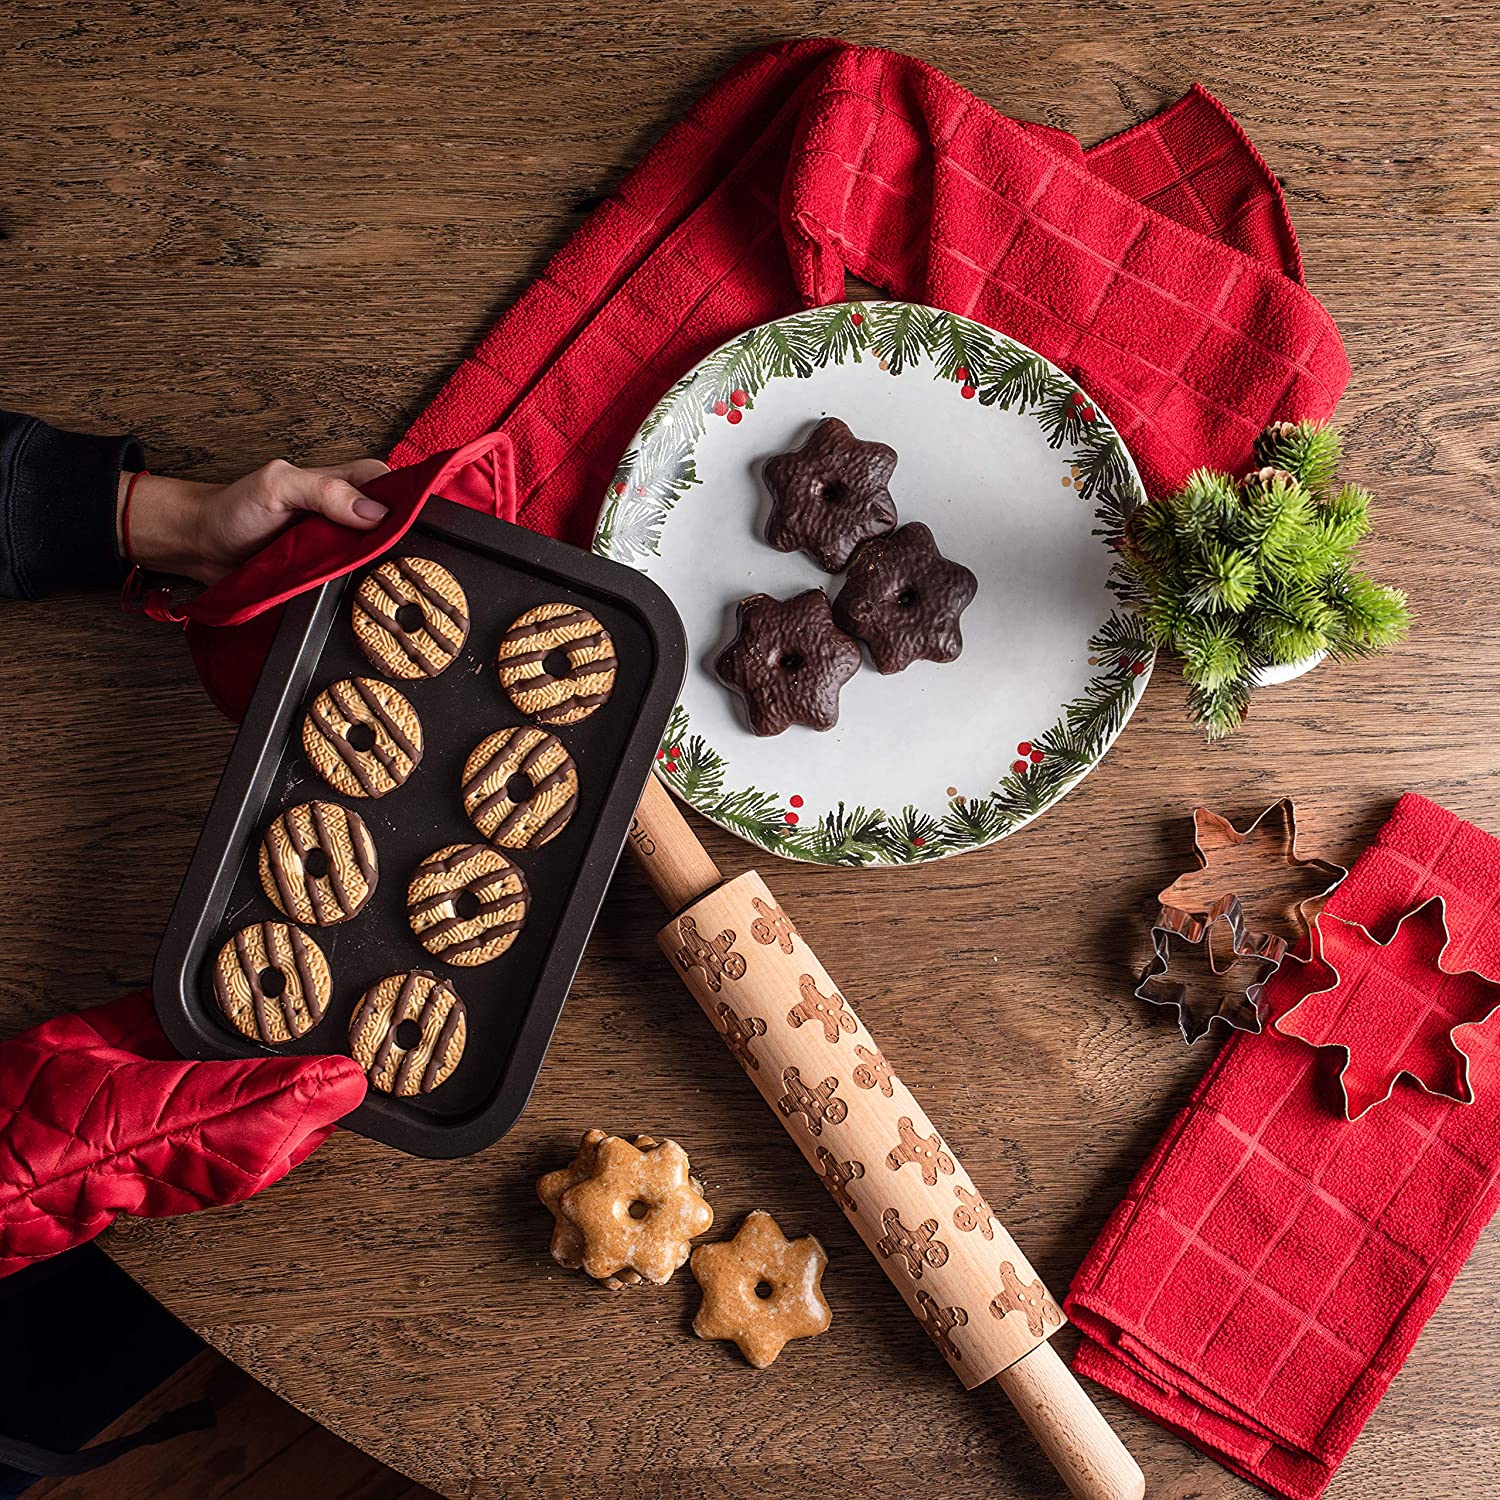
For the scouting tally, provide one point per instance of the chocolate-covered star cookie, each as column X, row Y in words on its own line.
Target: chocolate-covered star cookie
column 902, row 598
column 830, row 495
column 788, row 662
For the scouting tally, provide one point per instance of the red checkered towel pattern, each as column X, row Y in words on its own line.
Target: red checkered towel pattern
column 1160, row 267
column 1272, row 1264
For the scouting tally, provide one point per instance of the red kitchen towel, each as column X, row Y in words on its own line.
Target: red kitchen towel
column 98, row 1117
column 1272, row 1264
column 1160, row 267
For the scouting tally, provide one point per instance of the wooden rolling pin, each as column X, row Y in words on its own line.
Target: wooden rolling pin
column 876, row 1152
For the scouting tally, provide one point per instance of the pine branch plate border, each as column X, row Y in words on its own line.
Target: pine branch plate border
column 1053, row 477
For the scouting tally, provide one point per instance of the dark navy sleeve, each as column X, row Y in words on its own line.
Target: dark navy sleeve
column 57, row 507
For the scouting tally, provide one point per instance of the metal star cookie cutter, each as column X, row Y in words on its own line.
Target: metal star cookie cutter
column 1237, row 1008
column 1213, row 834
column 1465, row 1095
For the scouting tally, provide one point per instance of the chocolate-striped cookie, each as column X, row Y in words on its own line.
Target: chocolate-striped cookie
column 272, row 982
column 408, row 1033
column 557, row 662
column 520, row 787
column 317, row 863
column 363, row 738
column 467, row 903
column 410, row 616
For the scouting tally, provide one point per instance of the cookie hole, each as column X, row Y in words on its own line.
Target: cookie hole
column 835, row 492
column 791, row 661
column 639, row 1209
column 410, row 617
column 518, row 788
column 361, row 737
column 466, row 906
column 408, row 1034
column 315, row 863
column 907, row 598
column 557, row 664
column 272, row 983
column 763, row 1290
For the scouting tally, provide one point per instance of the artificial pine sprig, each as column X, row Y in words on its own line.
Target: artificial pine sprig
column 1238, row 577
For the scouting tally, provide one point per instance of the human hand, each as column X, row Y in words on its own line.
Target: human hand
column 204, row 531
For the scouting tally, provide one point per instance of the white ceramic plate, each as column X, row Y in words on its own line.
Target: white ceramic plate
column 1021, row 478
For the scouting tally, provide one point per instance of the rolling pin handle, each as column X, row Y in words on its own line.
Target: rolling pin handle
column 1093, row 1462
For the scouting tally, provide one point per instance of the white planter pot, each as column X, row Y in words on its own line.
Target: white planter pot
column 1271, row 676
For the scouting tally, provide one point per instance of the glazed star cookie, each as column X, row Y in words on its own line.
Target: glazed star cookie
column 467, row 903
column 788, row 662
column 410, row 617
column 761, row 1289
column 829, row 495
column 408, row 1033
column 624, row 1212
column 363, row 738
column 903, row 598
column 557, row 663
column 317, row 863
column 272, row 982
column 520, row 787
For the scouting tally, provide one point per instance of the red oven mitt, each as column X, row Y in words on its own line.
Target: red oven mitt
column 98, row 1117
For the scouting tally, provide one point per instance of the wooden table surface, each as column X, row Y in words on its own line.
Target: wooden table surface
column 261, row 230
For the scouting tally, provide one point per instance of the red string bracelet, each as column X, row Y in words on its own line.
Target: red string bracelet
column 135, row 595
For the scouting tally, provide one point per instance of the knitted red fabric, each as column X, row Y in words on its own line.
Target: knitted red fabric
column 1272, row 1265
column 1160, row 267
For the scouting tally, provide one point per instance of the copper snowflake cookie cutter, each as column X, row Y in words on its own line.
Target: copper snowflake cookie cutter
column 1193, row 923
column 1465, row 1090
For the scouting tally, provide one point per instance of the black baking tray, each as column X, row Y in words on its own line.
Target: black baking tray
column 514, row 1001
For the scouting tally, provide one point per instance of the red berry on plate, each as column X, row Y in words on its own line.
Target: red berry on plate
column 918, row 843
column 792, row 819
column 1024, row 748
column 1137, row 668
column 967, row 393
column 795, row 800
column 1078, row 398
column 856, row 318
column 961, row 375
column 738, row 398
column 619, row 486
column 735, row 416
column 1019, row 766
column 1036, row 757
column 1090, row 415
column 720, row 407
column 661, row 755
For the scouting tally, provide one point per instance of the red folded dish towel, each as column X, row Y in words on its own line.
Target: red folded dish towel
column 1160, row 267
column 1272, row 1264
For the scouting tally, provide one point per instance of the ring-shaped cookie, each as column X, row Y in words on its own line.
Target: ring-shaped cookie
column 408, row 1033
column 363, row 738
column 467, row 904
column 317, row 863
column 411, row 617
column 495, row 787
column 272, row 982
column 557, row 664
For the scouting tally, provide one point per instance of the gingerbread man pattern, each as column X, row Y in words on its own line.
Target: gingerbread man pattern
column 973, row 1213
column 1016, row 1296
column 815, row 1105
column 940, row 1323
column 919, row 1247
column 826, row 1009
column 772, row 925
column 715, row 957
column 836, row 1176
column 874, row 1071
column 739, row 1032
column 926, row 1151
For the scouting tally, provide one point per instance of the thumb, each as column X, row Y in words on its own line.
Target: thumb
column 333, row 492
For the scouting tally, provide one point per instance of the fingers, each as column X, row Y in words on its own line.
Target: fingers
column 333, row 492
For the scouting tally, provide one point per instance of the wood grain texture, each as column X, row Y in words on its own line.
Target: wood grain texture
column 248, row 230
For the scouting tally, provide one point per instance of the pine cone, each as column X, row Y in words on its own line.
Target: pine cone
column 1266, row 477
column 1265, row 444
